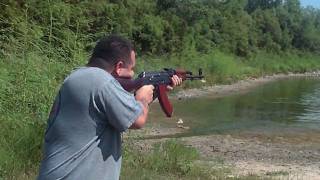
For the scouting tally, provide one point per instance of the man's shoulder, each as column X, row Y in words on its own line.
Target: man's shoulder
column 92, row 74
column 88, row 79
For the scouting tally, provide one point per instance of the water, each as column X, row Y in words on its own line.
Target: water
column 287, row 103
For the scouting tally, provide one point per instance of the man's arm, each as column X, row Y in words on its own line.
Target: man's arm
column 145, row 96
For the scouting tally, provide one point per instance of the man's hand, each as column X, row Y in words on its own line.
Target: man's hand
column 176, row 81
column 145, row 94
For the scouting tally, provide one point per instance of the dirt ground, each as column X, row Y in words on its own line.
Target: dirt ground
column 264, row 154
column 286, row 154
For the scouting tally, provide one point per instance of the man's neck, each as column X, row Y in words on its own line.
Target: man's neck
column 101, row 66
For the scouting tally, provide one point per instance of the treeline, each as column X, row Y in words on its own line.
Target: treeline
column 157, row 27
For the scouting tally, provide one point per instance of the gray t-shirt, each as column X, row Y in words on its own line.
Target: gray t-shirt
column 83, row 137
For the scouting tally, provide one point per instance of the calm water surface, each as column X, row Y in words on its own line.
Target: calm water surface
column 285, row 103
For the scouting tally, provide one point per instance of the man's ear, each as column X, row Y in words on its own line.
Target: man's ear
column 119, row 65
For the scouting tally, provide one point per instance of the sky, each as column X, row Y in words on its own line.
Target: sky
column 314, row 3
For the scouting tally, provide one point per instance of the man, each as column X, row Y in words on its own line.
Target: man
column 83, row 137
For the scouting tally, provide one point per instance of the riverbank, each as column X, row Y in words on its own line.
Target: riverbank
column 282, row 153
column 289, row 155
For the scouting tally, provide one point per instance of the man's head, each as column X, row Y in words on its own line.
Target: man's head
column 115, row 55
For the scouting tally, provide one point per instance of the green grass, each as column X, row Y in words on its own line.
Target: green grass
column 28, row 86
column 295, row 63
column 277, row 173
column 169, row 159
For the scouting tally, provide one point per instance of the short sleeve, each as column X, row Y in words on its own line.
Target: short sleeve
column 119, row 106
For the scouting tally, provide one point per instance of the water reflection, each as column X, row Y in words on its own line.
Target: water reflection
column 311, row 103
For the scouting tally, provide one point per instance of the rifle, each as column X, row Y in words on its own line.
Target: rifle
column 160, row 80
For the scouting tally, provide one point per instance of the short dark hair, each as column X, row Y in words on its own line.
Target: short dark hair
column 111, row 49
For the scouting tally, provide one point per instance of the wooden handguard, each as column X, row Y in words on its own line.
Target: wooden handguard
column 164, row 100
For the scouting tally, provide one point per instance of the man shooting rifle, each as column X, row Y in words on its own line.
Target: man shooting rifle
column 90, row 111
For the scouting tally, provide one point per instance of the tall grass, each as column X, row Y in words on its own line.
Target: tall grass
column 295, row 62
column 28, row 85
column 167, row 160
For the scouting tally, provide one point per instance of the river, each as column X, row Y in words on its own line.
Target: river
column 290, row 104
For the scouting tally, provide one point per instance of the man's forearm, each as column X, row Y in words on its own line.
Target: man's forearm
column 142, row 119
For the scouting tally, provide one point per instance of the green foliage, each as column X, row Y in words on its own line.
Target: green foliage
column 169, row 160
column 269, row 64
column 28, row 86
column 159, row 27
column 171, row 157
